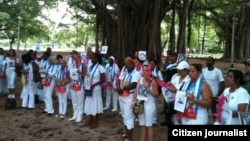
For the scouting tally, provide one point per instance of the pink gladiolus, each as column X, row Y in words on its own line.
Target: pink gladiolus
column 219, row 107
column 163, row 84
column 117, row 78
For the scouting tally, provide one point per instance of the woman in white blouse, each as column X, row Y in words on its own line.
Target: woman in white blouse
column 237, row 98
column 48, row 89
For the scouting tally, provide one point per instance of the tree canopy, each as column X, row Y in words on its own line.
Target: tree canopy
column 126, row 26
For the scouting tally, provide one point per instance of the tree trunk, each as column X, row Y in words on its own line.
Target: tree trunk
column 182, row 26
column 172, row 28
column 135, row 26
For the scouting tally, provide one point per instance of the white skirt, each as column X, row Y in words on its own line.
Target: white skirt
column 93, row 104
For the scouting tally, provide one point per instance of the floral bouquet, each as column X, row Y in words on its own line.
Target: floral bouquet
column 219, row 108
column 163, row 84
column 117, row 81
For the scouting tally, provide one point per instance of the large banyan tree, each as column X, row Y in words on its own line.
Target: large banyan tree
column 126, row 26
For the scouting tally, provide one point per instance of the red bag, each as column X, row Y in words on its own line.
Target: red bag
column 189, row 113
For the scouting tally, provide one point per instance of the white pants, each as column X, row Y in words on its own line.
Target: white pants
column 69, row 92
column 28, row 95
column 127, row 111
column 62, row 102
column 77, row 103
column 48, row 91
column 111, row 93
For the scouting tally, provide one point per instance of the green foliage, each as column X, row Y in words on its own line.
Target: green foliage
column 22, row 14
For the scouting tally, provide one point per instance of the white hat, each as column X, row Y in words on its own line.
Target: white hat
column 112, row 57
column 183, row 65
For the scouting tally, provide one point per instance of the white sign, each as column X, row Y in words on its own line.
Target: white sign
column 142, row 55
column 38, row 47
column 226, row 115
column 180, row 101
column 142, row 92
column 104, row 50
column 73, row 74
column 84, row 57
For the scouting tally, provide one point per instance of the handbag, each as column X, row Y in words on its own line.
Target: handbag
column 36, row 75
column 40, row 85
column 138, row 108
column 88, row 92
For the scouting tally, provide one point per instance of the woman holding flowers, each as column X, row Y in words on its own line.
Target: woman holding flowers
column 237, row 98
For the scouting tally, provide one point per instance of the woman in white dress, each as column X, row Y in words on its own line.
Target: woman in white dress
column 9, row 71
column 93, row 92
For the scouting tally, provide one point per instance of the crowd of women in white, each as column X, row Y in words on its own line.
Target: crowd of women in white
column 82, row 80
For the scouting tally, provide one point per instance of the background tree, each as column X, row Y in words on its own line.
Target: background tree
column 23, row 14
column 227, row 16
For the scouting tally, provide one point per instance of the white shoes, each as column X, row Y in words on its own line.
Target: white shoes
column 105, row 108
column 79, row 119
column 114, row 110
column 72, row 119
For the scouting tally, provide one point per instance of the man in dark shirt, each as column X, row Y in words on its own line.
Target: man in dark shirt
column 247, row 74
column 168, row 70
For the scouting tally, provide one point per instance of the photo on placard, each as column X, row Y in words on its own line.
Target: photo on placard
column 180, row 101
column 104, row 50
column 142, row 55
column 84, row 57
column 142, row 92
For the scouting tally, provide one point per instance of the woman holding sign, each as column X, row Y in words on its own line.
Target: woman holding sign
column 178, row 83
column 147, row 118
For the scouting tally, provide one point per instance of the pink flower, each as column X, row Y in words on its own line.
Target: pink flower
column 163, row 84
column 219, row 107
